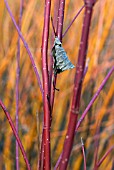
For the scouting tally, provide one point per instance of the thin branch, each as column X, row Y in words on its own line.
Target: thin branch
column 55, row 20
column 53, row 26
column 38, row 138
column 73, row 20
column 105, row 155
column 26, row 46
column 94, row 98
column 88, row 107
column 17, row 85
column 41, row 154
column 83, row 152
column 46, row 127
column 86, row 67
column 15, row 134
column 60, row 19
column 59, row 35
column 77, row 86
column 58, row 162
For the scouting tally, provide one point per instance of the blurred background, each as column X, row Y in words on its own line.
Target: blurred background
column 101, row 55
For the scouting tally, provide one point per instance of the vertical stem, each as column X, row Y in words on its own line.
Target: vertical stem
column 77, row 85
column 26, row 46
column 60, row 19
column 105, row 155
column 89, row 106
column 83, row 152
column 38, row 138
column 17, row 87
column 46, row 127
column 59, row 34
column 41, row 155
column 54, row 24
column 15, row 134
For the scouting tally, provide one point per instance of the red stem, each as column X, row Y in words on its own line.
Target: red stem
column 46, row 127
column 59, row 34
column 41, row 155
column 15, row 134
column 17, row 86
column 60, row 19
column 83, row 152
column 77, row 86
column 73, row 20
column 26, row 46
column 105, row 155
column 54, row 25
column 89, row 106
column 58, row 162
column 94, row 98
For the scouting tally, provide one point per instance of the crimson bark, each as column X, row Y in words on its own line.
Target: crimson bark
column 46, row 126
column 77, row 85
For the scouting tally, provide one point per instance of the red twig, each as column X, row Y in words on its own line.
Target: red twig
column 60, row 19
column 59, row 34
column 94, row 98
column 15, row 134
column 105, row 155
column 89, row 106
column 77, row 86
column 41, row 155
column 17, row 86
column 73, row 20
column 58, row 162
column 54, row 25
column 60, row 28
column 83, row 152
column 46, row 127
column 26, row 46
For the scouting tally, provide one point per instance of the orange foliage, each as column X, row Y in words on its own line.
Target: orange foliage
column 101, row 54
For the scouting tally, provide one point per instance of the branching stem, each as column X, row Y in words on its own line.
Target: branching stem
column 26, row 46
column 15, row 134
column 73, row 20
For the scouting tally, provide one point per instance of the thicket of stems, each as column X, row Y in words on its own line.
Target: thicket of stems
column 48, row 89
column 16, row 134
column 77, row 86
